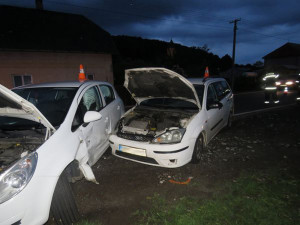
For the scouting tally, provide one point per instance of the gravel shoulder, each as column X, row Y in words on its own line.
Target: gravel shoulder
column 261, row 142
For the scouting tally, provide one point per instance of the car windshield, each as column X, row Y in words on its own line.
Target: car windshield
column 52, row 102
column 200, row 90
column 169, row 103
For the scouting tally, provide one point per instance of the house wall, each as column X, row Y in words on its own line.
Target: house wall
column 53, row 66
column 295, row 61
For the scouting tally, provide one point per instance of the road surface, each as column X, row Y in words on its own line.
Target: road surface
column 254, row 101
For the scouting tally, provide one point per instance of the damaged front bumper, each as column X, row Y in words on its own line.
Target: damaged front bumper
column 32, row 205
column 164, row 155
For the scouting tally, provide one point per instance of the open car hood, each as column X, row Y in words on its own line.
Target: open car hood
column 13, row 105
column 147, row 83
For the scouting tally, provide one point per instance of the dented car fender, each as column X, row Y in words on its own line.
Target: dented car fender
column 198, row 127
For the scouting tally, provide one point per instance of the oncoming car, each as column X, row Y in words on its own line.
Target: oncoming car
column 50, row 134
column 174, row 118
column 288, row 82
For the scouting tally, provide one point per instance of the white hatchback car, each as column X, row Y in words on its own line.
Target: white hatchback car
column 174, row 118
column 52, row 137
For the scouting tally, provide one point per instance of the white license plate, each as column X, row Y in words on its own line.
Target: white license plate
column 130, row 150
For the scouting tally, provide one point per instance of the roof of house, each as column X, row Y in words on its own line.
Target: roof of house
column 287, row 50
column 30, row 29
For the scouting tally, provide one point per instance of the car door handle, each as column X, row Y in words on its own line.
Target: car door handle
column 118, row 108
column 106, row 120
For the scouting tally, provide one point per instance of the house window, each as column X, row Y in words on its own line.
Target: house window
column 20, row 80
column 90, row 76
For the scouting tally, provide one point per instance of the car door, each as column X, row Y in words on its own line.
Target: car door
column 93, row 134
column 214, row 115
column 222, row 99
column 227, row 100
column 112, row 104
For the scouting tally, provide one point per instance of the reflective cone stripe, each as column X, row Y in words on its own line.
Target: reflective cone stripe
column 81, row 76
column 81, row 69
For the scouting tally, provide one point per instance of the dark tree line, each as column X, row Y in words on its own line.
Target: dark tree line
column 134, row 52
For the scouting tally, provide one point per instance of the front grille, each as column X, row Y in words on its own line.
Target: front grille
column 136, row 157
column 135, row 137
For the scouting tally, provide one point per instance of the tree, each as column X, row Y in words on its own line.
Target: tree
column 225, row 62
column 258, row 64
column 205, row 48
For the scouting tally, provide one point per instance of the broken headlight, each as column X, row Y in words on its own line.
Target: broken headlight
column 17, row 177
column 169, row 137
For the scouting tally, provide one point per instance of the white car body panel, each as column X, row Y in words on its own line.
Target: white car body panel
column 206, row 122
column 32, row 204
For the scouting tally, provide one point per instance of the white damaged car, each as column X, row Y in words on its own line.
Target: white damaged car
column 50, row 135
column 174, row 118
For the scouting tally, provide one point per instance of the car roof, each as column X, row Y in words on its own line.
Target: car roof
column 207, row 80
column 62, row 84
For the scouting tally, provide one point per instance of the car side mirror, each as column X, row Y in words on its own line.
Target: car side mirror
column 215, row 105
column 91, row 116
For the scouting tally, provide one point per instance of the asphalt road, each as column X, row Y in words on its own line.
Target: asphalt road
column 249, row 102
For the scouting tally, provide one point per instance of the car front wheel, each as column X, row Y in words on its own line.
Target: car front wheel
column 198, row 150
column 63, row 207
column 229, row 120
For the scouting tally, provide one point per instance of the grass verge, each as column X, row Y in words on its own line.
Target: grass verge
column 85, row 222
column 265, row 199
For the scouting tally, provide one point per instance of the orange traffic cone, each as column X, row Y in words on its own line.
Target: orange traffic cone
column 206, row 74
column 81, row 76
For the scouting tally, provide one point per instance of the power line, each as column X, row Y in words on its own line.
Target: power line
column 142, row 16
column 187, row 12
column 165, row 19
column 268, row 35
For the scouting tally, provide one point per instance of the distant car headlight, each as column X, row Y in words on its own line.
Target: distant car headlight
column 15, row 179
column 277, row 83
column 169, row 137
column 289, row 82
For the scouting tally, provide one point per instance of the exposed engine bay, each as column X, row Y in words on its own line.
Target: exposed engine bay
column 16, row 144
column 149, row 122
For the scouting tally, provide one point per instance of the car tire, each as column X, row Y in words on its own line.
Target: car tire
column 198, row 150
column 229, row 120
column 63, row 207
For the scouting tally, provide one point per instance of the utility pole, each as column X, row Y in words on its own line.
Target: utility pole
column 233, row 49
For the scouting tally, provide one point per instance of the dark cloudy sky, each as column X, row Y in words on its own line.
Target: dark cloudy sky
column 265, row 24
